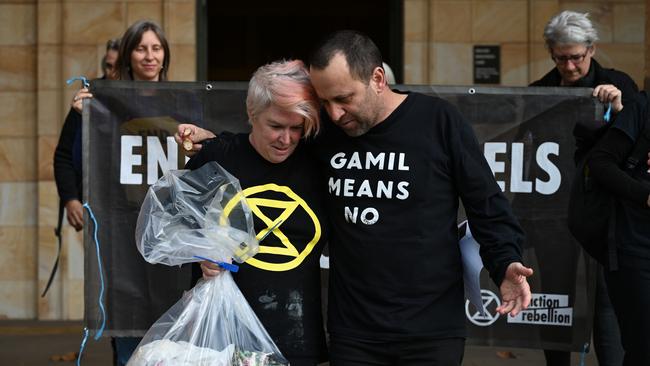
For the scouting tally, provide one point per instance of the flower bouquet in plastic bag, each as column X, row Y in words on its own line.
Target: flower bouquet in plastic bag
column 189, row 216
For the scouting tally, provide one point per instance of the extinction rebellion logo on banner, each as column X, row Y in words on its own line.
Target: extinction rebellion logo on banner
column 490, row 303
column 546, row 309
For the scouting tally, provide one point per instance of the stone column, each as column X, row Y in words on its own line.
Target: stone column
column 18, row 157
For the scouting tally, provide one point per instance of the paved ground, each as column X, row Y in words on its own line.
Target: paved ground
column 29, row 343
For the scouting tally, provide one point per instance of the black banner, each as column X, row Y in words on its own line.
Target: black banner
column 526, row 136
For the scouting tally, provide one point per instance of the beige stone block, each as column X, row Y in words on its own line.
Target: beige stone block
column 49, row 67
column 50, row 114
column 600, row 13
column 416, row 63
column 66, row 98
column 416, row 20
column 73, row 308
column 71, row 274
column 90, row 23
column 17, row 68
column 18, row 299
column 17, row 159
column 499, row 21
column 452, row 64
column 48, row 204
column 79, row 61
column 50, row 22
column 46, row 146
column 17, row 24
column 18, row 247
column 540, row 61
column 183, row 65
column 18, row 204
column 47, row 251
column 74, row 253
column 101, row 51
column 148, row 10
column 17, row 114
column 514, row 64
column 541, row 12
column 180, row 22
column 626, row 57
column 50, row 307
column 629, row 23
column 452, row 21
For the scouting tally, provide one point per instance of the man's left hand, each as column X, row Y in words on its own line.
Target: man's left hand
column 515, row 291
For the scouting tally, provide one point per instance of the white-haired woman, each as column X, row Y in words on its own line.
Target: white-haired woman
column 571, row 41
column 571, row 38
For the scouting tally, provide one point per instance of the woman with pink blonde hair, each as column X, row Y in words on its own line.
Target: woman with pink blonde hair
column 282, row 185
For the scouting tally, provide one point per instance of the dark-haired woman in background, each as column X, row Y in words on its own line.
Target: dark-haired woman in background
column 143, row 55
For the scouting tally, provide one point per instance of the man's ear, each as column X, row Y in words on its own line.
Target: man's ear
column 378, row 79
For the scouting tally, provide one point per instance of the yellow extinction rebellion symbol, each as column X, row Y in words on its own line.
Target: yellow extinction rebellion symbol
column 289, row 206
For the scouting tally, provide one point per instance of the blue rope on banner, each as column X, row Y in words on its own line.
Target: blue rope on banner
column 83, row 345
column 83, row 79
column 100, row 299
column 608, row 114
column 583, row 354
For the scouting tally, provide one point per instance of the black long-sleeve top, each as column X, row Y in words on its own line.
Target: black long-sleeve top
column 605, row 164
column 393, row 199
column 67, row 159
column 631, row 187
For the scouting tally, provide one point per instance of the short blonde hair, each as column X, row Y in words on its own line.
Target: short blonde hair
column 287, row 85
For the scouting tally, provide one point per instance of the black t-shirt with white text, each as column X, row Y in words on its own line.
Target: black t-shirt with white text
column 393, row 199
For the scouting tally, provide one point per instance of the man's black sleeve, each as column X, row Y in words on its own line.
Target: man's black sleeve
column 490, row 216
column 495, row 227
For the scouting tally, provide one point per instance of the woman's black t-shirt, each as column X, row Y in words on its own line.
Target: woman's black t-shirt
column 282, row 282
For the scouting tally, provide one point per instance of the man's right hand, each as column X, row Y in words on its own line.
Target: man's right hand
column 190, row 136
column 75, row 214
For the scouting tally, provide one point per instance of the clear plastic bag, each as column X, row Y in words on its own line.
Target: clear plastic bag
column 212, row 325
column 202, row 213
column 195, row 213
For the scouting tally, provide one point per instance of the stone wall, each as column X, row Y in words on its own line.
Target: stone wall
column 440, row 35
column 43, row 43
